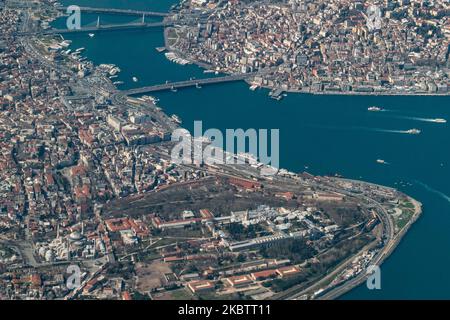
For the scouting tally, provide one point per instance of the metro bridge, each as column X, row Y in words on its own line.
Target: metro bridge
column 119, row 11
column 98, row 27
column 110, row 27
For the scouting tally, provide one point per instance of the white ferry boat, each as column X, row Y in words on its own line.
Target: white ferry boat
column 414, row 131
column 176, row 118
column 439, row 120
column 113, row 71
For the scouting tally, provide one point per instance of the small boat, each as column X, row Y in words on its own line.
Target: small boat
column 118, row 82
column 374, row 109
column 439, row 120
column 150, row 98
column 381, row 161
column 135, row 79
column 65, row 43
column 91, row 35
column 113, row 71
column 176, row 118
column 414, row 131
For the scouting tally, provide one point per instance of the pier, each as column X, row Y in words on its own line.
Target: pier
column 119, row 11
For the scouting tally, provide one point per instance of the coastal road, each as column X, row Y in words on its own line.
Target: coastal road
column 388, row 232
column 377, row 260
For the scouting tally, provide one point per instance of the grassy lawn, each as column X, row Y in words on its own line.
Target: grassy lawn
column 164, row 241
column 147, row 256
column 181, row 294
column 407, row 205
column 212, row 296
column 407, row 209
column 404, row 218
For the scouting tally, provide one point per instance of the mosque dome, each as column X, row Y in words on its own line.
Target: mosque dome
column 75, row 236
column 49, row 256
column 42, row 251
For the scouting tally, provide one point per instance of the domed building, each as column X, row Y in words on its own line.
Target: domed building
column 75, row 236
column 42, row 251
column 49, row 256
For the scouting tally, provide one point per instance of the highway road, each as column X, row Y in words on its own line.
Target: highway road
column 388, row 234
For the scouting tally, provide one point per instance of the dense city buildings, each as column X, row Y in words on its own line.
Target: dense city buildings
column 88, row 188
column 356, row 47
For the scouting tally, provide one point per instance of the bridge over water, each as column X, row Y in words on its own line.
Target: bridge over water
column 186, row 83
column 105, row 27
column 119, row 97
column 119, row 11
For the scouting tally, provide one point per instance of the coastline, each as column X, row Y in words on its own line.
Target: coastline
column 207, row 66
column 418, row 206
column 345, row 288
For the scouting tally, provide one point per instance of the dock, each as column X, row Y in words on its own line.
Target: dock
column 276, row 94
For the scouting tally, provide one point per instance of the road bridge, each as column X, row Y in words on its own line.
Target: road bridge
column 108, row 27
column 119, row 11
column 187, row 83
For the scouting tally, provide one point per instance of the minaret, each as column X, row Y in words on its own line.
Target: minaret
column 68, row 250
column 95, row 248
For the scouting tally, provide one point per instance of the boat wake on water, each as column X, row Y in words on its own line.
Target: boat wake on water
column 386, row 130
column 438, row 120
column 432, row 190
column 410, row 131
column 403, row 117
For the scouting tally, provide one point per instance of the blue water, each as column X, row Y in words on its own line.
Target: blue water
column 325, row 134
